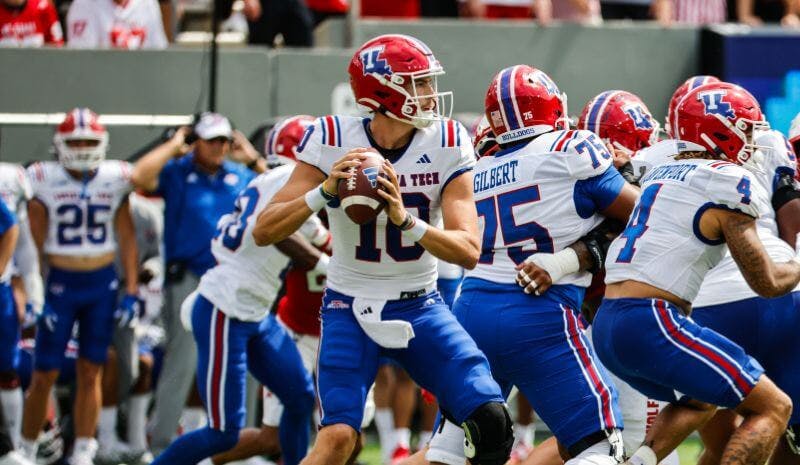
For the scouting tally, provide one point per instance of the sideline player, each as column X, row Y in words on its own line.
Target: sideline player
column 235, row 334
column 542, row 191
column 15, row 190
column 765, row 328
column 389, row 265
column 689, row 209
column 79, row 216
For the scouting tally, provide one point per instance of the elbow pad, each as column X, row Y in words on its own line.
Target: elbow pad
column 785, row 191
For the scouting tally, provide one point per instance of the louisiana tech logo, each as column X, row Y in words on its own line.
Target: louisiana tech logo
column 373, row 63
column 372, row 175
column 714, row 105
column 547, row 83
column 641, row 120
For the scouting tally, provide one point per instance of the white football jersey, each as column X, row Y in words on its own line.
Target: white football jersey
column 542, row 197
column 135, row 24
column 15, row 188
column 662, row 244
column 375, row 260
column 80, row 213
column 247, row 277
column 725, row 282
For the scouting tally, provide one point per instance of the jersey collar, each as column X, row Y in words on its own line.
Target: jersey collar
column 393, row 155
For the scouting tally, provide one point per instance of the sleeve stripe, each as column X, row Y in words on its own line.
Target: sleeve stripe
column 559, row 143
column 455, row 174
column 338, row 132
column 571, row 139
column 441, row 127
column 330, row 130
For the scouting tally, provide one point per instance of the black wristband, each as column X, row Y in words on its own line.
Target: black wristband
column 252, row 165
column 627, row 173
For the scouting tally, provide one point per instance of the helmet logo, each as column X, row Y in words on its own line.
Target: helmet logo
column 713, row 104
column 641, row 120
column 497, row 119
column 373, row 63
column 547, row 83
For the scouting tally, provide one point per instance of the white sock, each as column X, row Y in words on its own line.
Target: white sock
column 424, row 437
column 85, row 447
column 12, row 402
column 193, row 418
column 384, row 423
column 107, row 426
column 402, row 437
column 28, row 447
column 523, row 434
column 643, row 456
column 137, row 420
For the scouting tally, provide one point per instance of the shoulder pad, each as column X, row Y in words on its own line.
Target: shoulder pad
column 585, row 154
column 451, row 133
column 330, row 130
column 733, row 187
column 38, row 172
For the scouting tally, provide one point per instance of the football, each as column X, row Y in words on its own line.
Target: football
column 358, row 194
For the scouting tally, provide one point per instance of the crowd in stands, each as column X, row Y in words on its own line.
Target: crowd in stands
column 153, row 24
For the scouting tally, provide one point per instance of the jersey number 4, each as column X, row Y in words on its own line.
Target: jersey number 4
column 637, row 225
column 498, row 210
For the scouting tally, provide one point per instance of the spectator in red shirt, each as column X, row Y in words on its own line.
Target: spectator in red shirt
column 29, row 23
column 390, row 9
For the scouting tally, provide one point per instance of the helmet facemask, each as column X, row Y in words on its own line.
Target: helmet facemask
column 411, row 110
column 748, row 155
column 81, row 158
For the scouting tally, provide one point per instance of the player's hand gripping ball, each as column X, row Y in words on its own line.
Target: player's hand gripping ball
column 358, row 193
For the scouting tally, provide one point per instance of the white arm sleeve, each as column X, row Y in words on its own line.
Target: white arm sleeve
column 26, row 258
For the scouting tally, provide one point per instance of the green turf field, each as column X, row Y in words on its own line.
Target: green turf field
column 688, row 452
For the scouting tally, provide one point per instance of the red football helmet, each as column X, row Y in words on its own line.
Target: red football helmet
column 280, row 145
column 689, row 84
column 523, row 102
column 388, row 73
column 621, row 119
column 80, row 140
column 721, row 117
column 484, row 141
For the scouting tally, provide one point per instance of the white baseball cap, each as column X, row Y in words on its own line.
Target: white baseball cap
column 212, row 125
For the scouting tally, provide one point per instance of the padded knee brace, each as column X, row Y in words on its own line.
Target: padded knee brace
column 488, row 434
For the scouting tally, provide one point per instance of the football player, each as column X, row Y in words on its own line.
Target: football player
column 381, row 298
column 689, row 84
column 15, row 190
column 235, row 333
column 297, row 309
column 688, row 210
column 79, row 216
column 727, row 305
column 9, row 338
column 542, row 191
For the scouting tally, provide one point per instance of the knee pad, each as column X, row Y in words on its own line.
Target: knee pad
column 488, row 434
column 793, row 438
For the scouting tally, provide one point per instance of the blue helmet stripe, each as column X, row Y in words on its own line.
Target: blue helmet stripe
column 591, row 120
column 505, row 98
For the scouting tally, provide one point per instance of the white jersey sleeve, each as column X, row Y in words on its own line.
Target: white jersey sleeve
column 731, row 187
column 466, row 158
column 83, row 27
column 585, row 154
column 312, row 150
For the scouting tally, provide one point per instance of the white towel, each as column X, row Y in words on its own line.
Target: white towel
column 186, row 310
column 391, row 334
